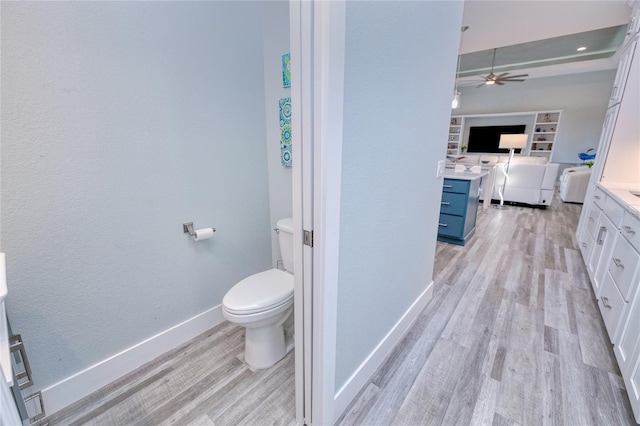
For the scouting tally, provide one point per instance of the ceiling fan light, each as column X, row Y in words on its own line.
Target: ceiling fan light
column 581, row 48
column 490, row 82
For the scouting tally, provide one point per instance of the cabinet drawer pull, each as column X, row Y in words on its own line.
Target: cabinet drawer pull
column 604, row 302
column 584, row 244
column 618, row 263
column 629, row 230
column 443, row 224
column 445, row 203
column 597, row 197
column 447, row 186
column 603, row 229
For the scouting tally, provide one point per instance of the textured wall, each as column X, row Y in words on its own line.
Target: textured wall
column 399, row 67
column 275, row 18
column 582, row 97
column 121, row 121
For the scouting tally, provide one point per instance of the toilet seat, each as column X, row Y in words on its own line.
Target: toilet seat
column 259, row 292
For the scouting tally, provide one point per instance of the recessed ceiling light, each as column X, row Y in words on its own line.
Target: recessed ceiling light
column 580, row 49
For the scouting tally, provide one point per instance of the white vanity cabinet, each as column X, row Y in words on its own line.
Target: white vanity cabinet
column 609, row 230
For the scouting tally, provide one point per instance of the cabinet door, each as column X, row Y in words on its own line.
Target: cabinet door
column 600, row 253
column 611, row 305
column 621, row 75
column 632, row 382
column 588, row 230
column 629, row 339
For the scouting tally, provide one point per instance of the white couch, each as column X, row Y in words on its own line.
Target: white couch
column 528, row 183
column 573, row 184
column 531, row 179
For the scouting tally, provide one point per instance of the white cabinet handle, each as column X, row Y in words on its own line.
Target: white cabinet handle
column 603, row 229
column 443, row 224
column 618, row 263
column 604, row 302
column 444, row 203
column 629, row 230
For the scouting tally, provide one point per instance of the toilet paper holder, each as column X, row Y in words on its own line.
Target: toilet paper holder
column 188, row 228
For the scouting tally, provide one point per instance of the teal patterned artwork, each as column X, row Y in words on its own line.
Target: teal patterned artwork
column 286, row 70
column 285, row 131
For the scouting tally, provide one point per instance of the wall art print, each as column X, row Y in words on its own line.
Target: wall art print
column 286, row 70
column 285, row 131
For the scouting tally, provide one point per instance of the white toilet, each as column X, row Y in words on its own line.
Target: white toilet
column 262, row 303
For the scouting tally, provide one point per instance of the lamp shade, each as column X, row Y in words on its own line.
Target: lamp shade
column 514, row 141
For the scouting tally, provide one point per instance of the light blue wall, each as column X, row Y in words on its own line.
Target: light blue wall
column 399, row 67
column 583, row 99
column 121, row 121
column 275, row 19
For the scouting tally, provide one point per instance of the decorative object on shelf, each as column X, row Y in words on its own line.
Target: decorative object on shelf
column 510, row 142
column 286, row 70
column 589, row 163
column 455, row 102
column 589, row 155
column 463, row 148
column 547, row 118
column 285, row 131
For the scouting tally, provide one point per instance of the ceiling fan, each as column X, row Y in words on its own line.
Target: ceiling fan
column 500, row 79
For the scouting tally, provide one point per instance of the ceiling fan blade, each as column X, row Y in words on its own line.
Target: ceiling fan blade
column 502, row 75
column 517, row 76
column 499, row 82
column 480, row 85
column 508, row 80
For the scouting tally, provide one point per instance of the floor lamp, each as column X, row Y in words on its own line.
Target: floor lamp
column 510, row 142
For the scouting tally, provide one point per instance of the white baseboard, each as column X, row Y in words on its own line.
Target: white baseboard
column 83, row 383
column 361, row 376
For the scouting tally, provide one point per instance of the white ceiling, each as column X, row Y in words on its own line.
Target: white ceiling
column 504, row 23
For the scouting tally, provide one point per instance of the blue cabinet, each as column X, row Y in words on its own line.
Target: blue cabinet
column 458, row 210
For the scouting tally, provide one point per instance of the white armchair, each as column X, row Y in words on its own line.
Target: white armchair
column 573, row 184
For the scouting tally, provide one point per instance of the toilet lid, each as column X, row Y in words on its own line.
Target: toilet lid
column 259, row 292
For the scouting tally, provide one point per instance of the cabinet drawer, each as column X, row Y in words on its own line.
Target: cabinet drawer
column 586, row 243
column 453, row 203
column 629, row 336
column 455, row 185
column 611, row 305
column 451, row 226
column 592, row 219
column 631, row 229
column 599, row 197
column 614, row 211
column 622, row 265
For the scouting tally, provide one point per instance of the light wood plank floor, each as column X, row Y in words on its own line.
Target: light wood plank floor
column 512, row 336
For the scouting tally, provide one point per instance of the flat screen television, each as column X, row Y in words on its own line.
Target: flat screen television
column 487, row 138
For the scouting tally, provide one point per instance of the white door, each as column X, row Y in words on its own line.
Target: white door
column 317, row 73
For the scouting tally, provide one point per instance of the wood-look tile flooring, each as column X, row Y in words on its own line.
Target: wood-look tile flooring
column 512, row 336
column 204, row 382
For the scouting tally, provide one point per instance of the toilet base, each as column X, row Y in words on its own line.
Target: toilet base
column 265, row 346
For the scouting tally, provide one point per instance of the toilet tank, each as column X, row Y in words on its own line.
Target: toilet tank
column 285, row 238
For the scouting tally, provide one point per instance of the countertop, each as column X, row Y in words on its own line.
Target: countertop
column 621, row 193
column 450, row 174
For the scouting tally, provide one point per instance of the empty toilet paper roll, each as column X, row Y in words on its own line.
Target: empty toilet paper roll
column 203, row 234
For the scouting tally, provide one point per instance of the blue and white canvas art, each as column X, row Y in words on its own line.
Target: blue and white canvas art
column 286, row 70
column 285, row 131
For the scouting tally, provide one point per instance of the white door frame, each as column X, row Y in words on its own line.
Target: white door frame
column 317, row 72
